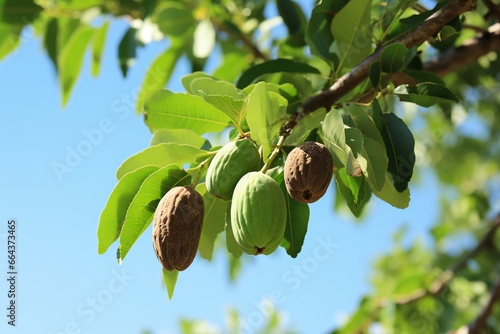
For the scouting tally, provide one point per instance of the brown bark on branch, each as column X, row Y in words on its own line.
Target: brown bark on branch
column 479, row 325
column 358, row 74
column 467, row 53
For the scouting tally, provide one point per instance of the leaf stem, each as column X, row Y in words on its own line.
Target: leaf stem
column 275, row 153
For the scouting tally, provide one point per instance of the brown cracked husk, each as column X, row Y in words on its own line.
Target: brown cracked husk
column 308, row 172
column 177, row 224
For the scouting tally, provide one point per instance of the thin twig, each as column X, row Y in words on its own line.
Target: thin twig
column 249, row 44
column 479, row 325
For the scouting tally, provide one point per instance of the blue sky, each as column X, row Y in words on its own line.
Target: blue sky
column 64, row 286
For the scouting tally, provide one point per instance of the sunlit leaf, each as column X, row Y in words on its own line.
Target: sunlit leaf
column 170, row 280
column 160, row 155
column 274, row 66
column 213, row 221
column 354, row 190
column 178, row 136
column 98, row 47
column 232, row 246
column 352, row 32
column 159, row 73
column 264, row 110
column 141, row 210
column 166, row 110
column 373, row 162
column 70, row 60
column 113, row 215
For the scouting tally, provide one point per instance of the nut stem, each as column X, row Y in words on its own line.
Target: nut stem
column 273, row 155
column 200, row 170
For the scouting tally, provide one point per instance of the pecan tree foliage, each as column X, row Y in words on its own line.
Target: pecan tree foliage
column 392, row 88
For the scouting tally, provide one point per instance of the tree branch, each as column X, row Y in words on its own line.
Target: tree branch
column 249, row 44
column 451, row 60
column 467, row 53
column 479, row 325
column 359, row 73
column 447, row 275
column 493, row 8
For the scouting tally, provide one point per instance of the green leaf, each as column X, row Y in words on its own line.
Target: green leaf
column 141, row 210
column 232, row 246
column 393, row 58
column 318, row 33
column 400, row 148
column 71, row 58
column 9, row 40
column 332, row 134
column 160, row 155
column 173, row 18
column 50, row 40
column 373, row 162
column 235, row 109
column 296, row 224
column 189, row 78
column 354, row 190
column 170, row 279
column 127, row 50
column 19, row 12
column 166, row 110
column 113, row 215
column 424, row 76
column 78, row 5
column 264, row 110
column 406, row 24
column 221, row 94
column 274, row 66
column 159, row 73
column 365, row 123
column 375, row 74
column 295, row 21
column 213, row 221
column 98, row 47
column 392, row 196
column 425, row 94
column 411, row 281
column 178, row 136
column 359, row 318
column 206, row 86
column 300, row 132
column 352, row 32
column 354, row 139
